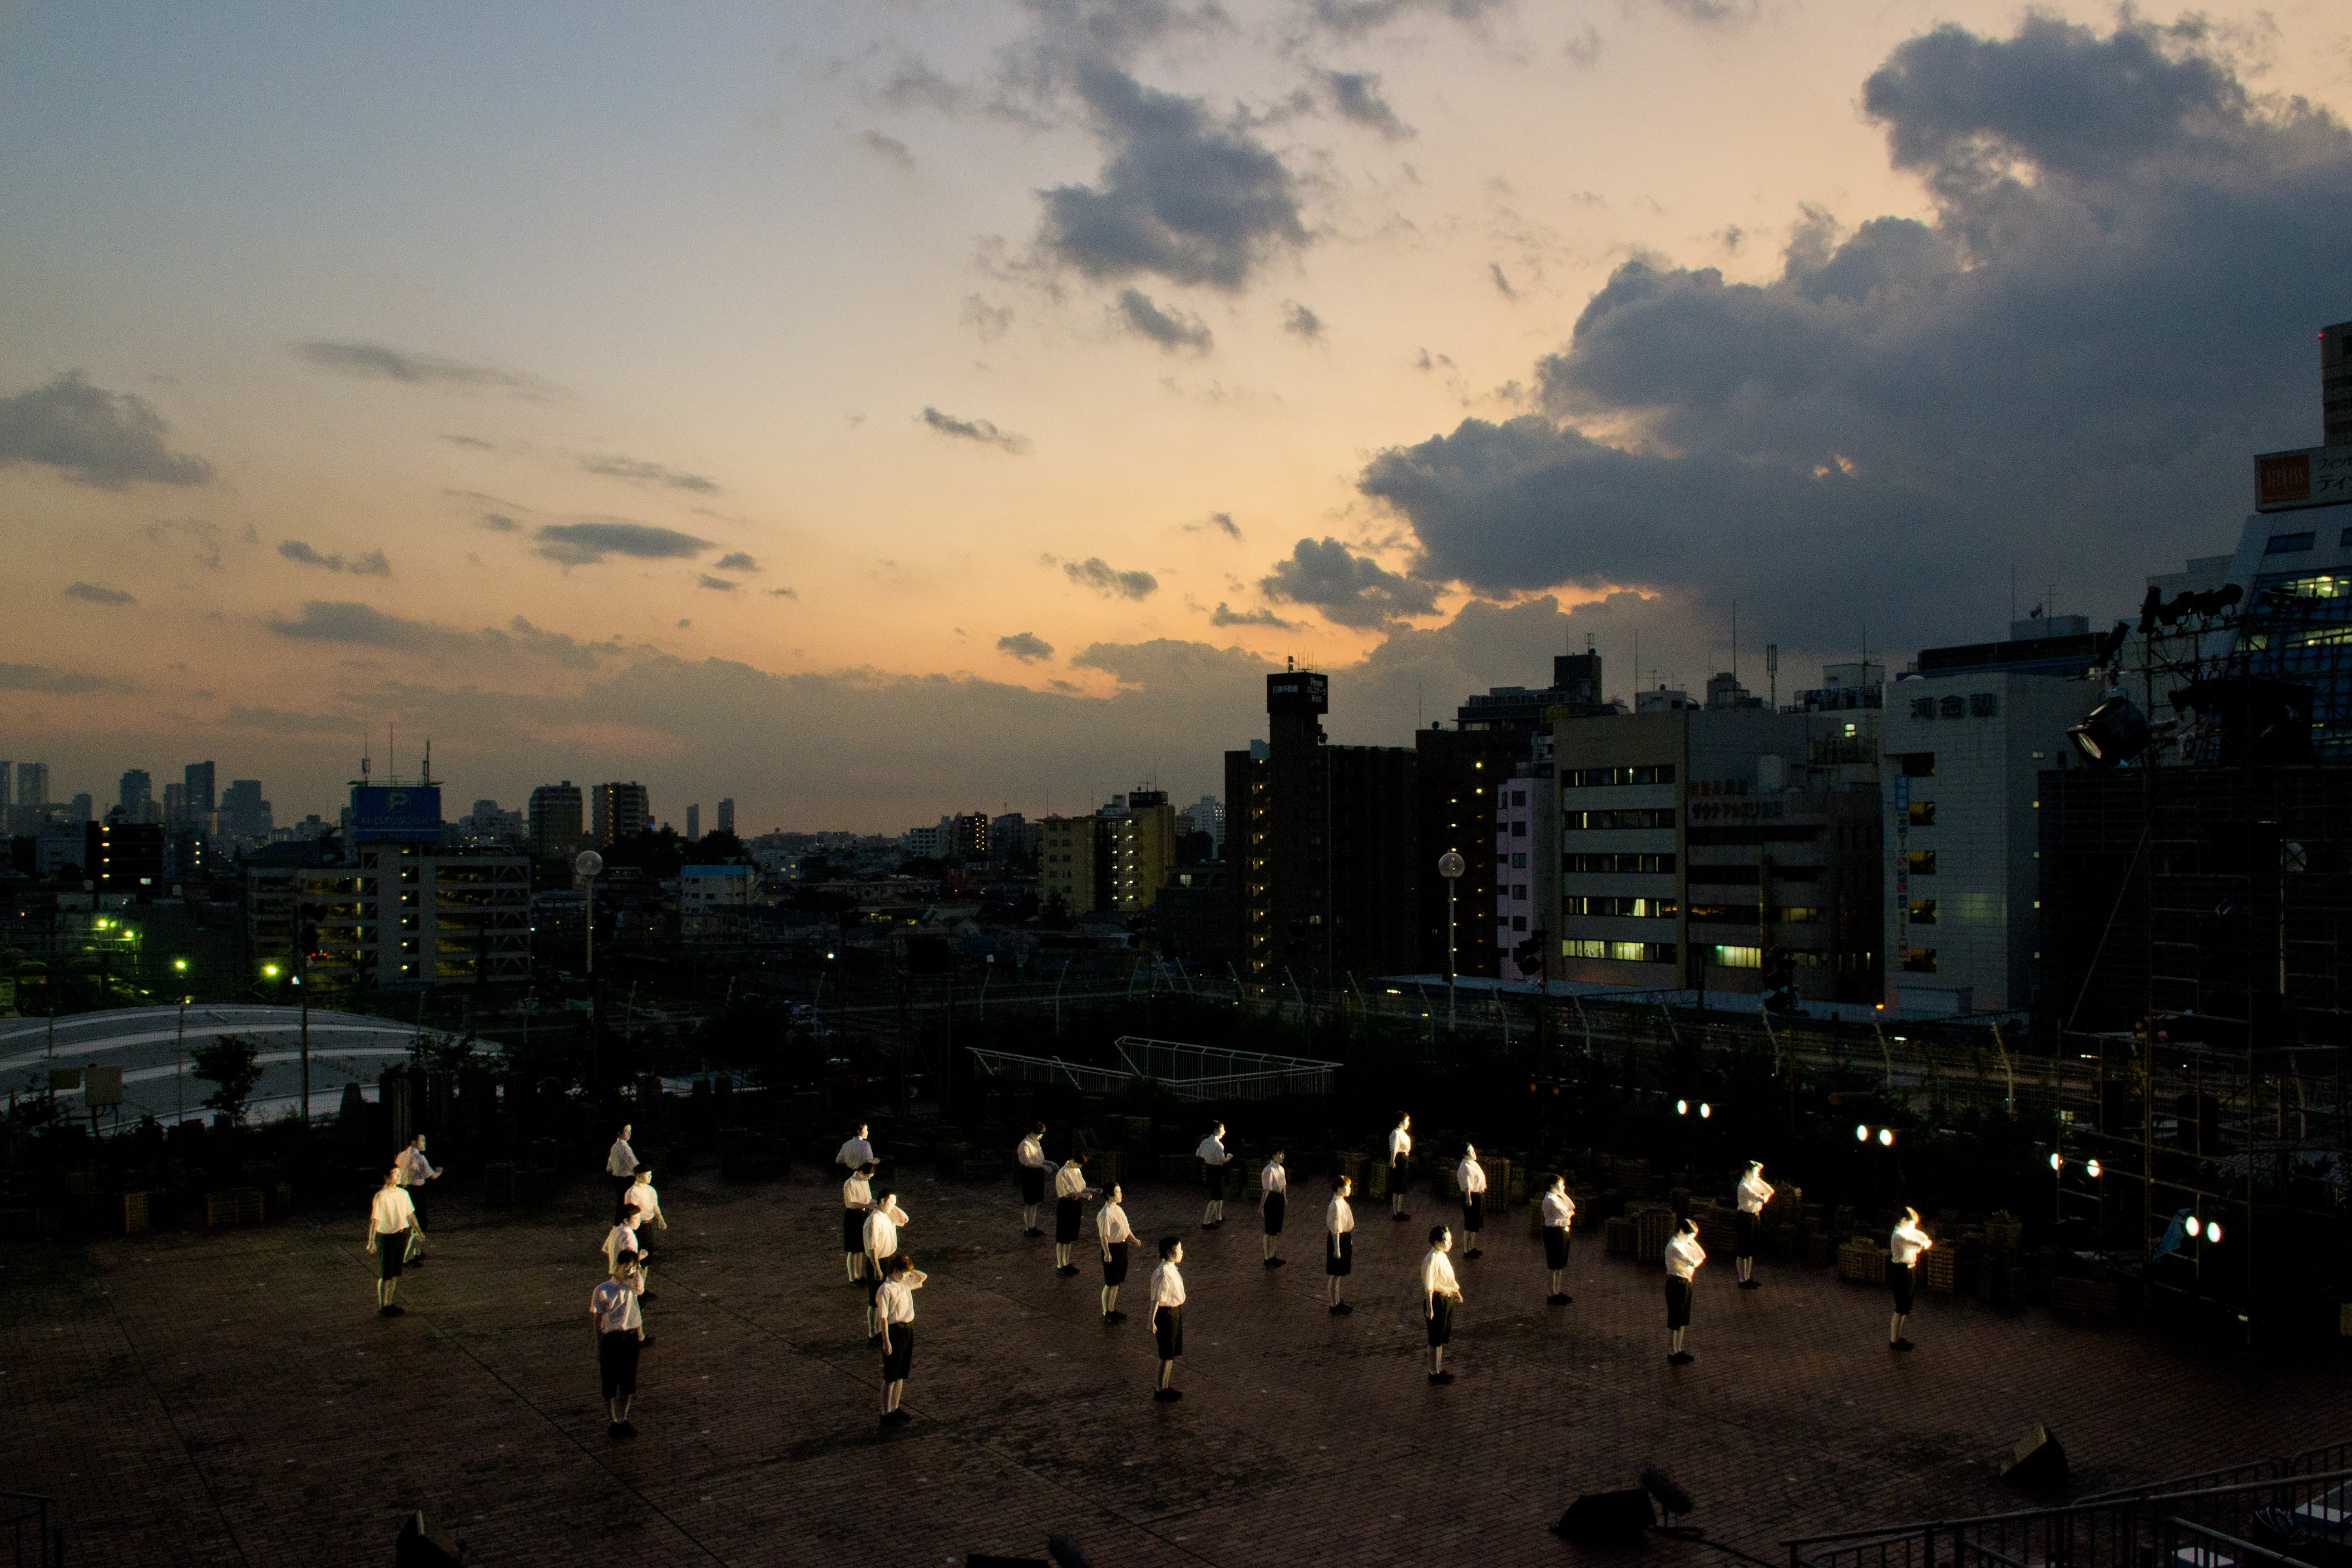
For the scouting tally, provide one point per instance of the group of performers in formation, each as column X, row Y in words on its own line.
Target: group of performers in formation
column 871, row 1257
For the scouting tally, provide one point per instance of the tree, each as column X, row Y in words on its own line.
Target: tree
column 232, row 1065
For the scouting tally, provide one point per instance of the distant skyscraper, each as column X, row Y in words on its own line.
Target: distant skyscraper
column 7, row 786
column 2336, row 384
column 1209, row 817
column 137, row 795
column 727, row 815
column 198, row 788
column 83, row 809
column 694, row 824
column 244, row 814
column 556, row 812
column 619, row 811
column 32, row 783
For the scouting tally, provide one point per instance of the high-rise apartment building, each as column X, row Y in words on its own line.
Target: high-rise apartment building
column 7, row 788
column 619, row 811
column 135, row 798
column 244, row 814
column 123, row 856
column 694, row 824
column 557, row 830
column 1209, row 817
column 196, row 779
column 1143, row 848
column 727, row 815
column 1074, row 862
column 395, row 915
column 32, row 783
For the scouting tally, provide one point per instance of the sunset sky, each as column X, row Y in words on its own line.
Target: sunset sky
column 876, row 411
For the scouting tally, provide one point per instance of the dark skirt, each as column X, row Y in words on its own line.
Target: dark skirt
column 1275, row 1205
column 1678, row 1302
column 901, row 1353
column 1555, row 1246
column 1473, row 1212
column 1115, row 1265
column 1340, row 1252
column 1216, row 1180
column 1032, row 1184
column 1745, row 1247
column 853, row 1230
column 391, row 1252
column 1168, row 1328
column 1440, row 1322
column 1066, row 1218
column 616, row 1358
column 1906, row 1281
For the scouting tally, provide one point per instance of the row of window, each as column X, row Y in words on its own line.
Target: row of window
column 1619, row 952
column 1640, row 816
column 1644, row 864
column 1597, row 778
column 1976, row 704
column 1606, row 904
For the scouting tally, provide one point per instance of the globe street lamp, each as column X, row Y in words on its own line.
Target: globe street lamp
column 1450, row 866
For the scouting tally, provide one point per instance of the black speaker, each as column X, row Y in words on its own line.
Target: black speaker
column 2037, row 1461
column 422, row 1546
column 1608, row 1519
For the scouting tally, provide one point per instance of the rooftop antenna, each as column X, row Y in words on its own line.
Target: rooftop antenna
column 366, row 740
column 391, row 754
column 1735, row 645
column 426, row 778
column 1773, row 671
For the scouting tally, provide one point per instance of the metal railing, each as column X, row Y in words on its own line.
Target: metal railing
column 1195, row 1072
column 32, row 1542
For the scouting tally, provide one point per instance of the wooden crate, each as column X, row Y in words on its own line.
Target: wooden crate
column 1617, row 1236
column 1862, row 1261
column 1634, row 1177
column 135, row 1214
column 1942, row 1269
column 236, row 1206
column 1652, row 1228
column 1717, row 1231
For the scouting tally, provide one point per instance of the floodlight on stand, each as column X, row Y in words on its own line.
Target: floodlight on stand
column 2116, row 732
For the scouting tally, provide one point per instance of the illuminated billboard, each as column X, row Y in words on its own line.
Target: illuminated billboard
column 2313, row 477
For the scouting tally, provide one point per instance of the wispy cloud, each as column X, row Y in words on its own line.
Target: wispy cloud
column 1226, row 616
column 588, row 542
column 371, row 564
column 90, row 592
column 614, row 466
column 374, row 361
column 980, row 429
column 57, row 683
column 1106, row 579
column 1025, row 646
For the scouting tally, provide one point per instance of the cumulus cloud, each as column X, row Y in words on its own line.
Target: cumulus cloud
column 720, row 583
column 559, row 646
column 345, row 621
column 1025, row 646
column 1915, row 400
column 1167, row 325
column 1348, row 589
column 615, row 466
column 1108, row 580
column 91, row 593
column 587, row 542
column 1227, row 616
column 978, row 430
column 92, row 437
column 55, row 682
column 374, row 361
column 736, row 560
column 1300, row 321
column 1356, row 95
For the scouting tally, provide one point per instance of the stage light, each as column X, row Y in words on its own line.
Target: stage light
column 2116, row 732
column 2057, row 1162
column 1861, row 1134
column 1705, row 1109
column 1887, row 1137
column 1682, row 1107
column 2195, row 1228
column 2093, row 1168
column 2213, row 1231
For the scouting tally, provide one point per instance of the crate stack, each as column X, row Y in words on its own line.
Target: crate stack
column 1863, row 1261
column 1717, row 1230
column 1654, row 1226
column 1618, row 1235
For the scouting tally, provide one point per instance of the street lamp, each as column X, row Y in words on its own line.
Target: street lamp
column 587, row 865
column 1450, row 866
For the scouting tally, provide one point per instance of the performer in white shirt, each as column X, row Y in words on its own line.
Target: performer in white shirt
column 1440, row 1295
column 857, row 1153
column 1070, row 1194
column 1558, row 1219
column 415, row 1170
column 621, row 1165
column 1472, row 1177
column 1903, row 1250
column 881, row 1242
column 390, row 1219
column 620, row 1242
column 1754, row 1192
column 620, row 1334
column 644, row 1201
column 895, row 1304
column 1274, row 1185
column 1399, row 1164
column 1029, row 1156
column 1684, row 1255
column 1166, row 1290
column 1113, row 1231
column 1339, row 1242
column 857, row 1198
column 1213, row 1158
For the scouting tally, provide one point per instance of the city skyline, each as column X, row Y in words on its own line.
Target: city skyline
column 773, row 407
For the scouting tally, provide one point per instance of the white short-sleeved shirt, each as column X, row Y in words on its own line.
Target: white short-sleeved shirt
column 615, row 1308
column 1212, row 1150
column 1684, row 1255
column 1338, row 1217
column 855, row 1152
column 1754, row 1192
column 1559, row 1209
column 1437, row 1272
column 1905, row 1246
column 1274, row 1178
column 881, row 1234
column 1472, row 1176
column 1400, row 1143
column 617, row 1240
column 391, row 1212
column 644, row 1199
column 1110, row 1223
column 1070, row 1181
column 415, row 1169
column 895, row 1300
column 623, row 1160
column 1166, row 1286
column 857, row 1193
column 1029, row 1154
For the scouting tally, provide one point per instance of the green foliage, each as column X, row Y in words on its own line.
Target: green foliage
column 230, row 1063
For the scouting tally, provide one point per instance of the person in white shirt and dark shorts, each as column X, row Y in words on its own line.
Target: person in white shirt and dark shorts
column 1399, row 1164
column 1029, row 1160
column 415, row 1170
column 1684, row 1255
column 621, row 1165
column 1754, row 1192
column 857, row 1198
column 1115, row 1234
column 1472, row 1177
column 1214, row 1158
column 1166, row 1289
column 1274, row 1185
column 895, row 1304
column 620, row 1335
column 390, row 1219
column 1440, row 1295
column 1558, row 1219
column 1339, row 1242
column 1903, row 1250
column 1070, row 1191
column 882, row 1222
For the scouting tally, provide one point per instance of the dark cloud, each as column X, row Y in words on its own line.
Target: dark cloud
column 1182, row 196
column 2068, row 368
column 1502, row 284
column 469, row 441
column 1106, row 579
column 720, row 583
column 1353, row 18
column 344, row 620
column 1300, row 321
column 373, row 362
column 1714, row 13
column 1220, row 521
column 372, row 564
column 736, row 560
column 560, row 647
column 498, row 522
column 588, row 542
column 978, row 430
column 1348, row 589
column 1356, row 95
column 1170, row 328
column 889, row 149
column 615, row 466
column 914, row 84
column 91, row 593
column 281, row 721
column 988, row 321
column 92, row 437
column 783, row 593
column 1227, row 616
column 1025, row 646
column 55, row 682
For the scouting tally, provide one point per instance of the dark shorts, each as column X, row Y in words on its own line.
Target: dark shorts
column 1745, row 1247
column 1168, row 1328
column 1440, row 1322
column 616, row 1358
column 1339, row 1253
column 1066, row 1218
column 853, row 1230
column 1473, row 1212
column 621, row 1186
column 1275, row 1205
column 1216, row 1181
column 417, row 1202
column 1555, row 1246
column 391, row 1252
column 1678, row 1302
column 1114, row 1266
column 901, row 1353
column 1906, row 1281
column 1032, row 1184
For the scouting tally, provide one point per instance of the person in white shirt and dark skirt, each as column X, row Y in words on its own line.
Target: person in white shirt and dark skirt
column 1339, row 1242
column 1213, row 1158
column 1471, row 1178
column 1440, row 1295
column 1274, row 1184
column 415, row 1170
column 389, row 1219
column 621, row 1165
column 1399, row 1164
column 645, row 1202
column 895, row 1304
column 1115, row 1234
column 1070, row 1192
column 1903, row 1250
column 620, row 1334
column 857, row 1153
column 857, row 1198
column 1754, row 1192
column 1684, row 1255
column 1166, row 1289
column 881, row 1240
column 1029, row 1160
column 1559, row 1219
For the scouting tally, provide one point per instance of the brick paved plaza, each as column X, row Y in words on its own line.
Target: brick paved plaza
column 234, row 1399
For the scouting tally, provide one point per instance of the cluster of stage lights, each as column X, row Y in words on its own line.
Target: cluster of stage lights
column 1885, row 1136
column 2091, row 1169
column 1683, row 1108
